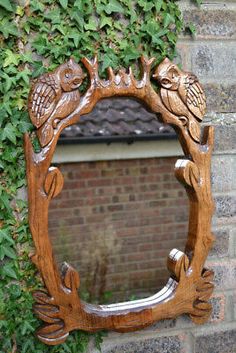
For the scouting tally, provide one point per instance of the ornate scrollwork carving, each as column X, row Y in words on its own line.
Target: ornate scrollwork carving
column 55, row 103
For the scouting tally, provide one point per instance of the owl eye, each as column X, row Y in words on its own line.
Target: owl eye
column 174, row 74
column 67, row 74
column 165, row 81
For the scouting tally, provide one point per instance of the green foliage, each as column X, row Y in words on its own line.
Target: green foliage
column 34, row 39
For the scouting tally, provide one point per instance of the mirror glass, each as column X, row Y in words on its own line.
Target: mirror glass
column 121, row 210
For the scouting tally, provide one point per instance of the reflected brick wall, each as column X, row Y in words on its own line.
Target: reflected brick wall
column 116, row 222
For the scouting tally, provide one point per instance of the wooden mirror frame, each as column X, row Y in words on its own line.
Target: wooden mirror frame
column 55, row 103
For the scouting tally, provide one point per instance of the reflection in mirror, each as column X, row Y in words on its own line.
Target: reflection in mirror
column 121, row 210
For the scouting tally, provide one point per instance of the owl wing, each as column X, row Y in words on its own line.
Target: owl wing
column 43, row 97
column 195, row 97
column 174, row 103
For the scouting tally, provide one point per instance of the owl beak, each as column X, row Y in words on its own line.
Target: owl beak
column 77, row 80
column 155, row 75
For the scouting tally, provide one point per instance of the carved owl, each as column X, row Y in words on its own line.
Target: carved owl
column 55, row 94
column 182, row 95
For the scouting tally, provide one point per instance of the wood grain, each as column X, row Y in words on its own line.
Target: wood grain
column 180, row 102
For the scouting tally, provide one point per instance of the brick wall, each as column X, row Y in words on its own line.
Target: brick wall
column 211, row 55
column 117, row 221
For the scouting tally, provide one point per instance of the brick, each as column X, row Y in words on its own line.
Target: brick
column 218, row 308
column 216, row 23
column 225, row 137
column 221, row 245
column 233, row 301
column 220, row 341
column 173, row 344
column 99, row 182
column 74, row 184
column 225, row 206
column 222, row 181
column 220, row 97
column 224, row 273
column 214, row 60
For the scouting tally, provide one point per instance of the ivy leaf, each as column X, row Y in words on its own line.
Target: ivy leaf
column 8, row 82
column 76, row 38
column 106, row 62
column 59, row 28
column 91, row 25
column 78, row 18
column 168, row 19
column 158, row 5
column 131, row 54
column 11, row 58
column 26, row 327
column 9, row 132
column 8, row 28
column 64, row 3
column 7, row 251
column 54, row 16
column 172, row 37
column 113, row 6
column 105, row 21
column 7, row 270
column 5, row 236
column 20, row 11
column 147, row 6
column 191, row 28
column 157, row 40
column 6, row 5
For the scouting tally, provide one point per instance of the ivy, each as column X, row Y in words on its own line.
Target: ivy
column 36, row 38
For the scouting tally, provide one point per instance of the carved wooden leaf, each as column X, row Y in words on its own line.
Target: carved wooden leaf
column 47, row 313
column 45, row 134
column 54, row 182
column 71, row 277
column 208, row 275
column 203, row 306
column 187, row 172
column 206, row 294
column 42, row 297
column 205, row 286
column 193, row 174
column 202, row 312
column 194, row 130
column 53, row 334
